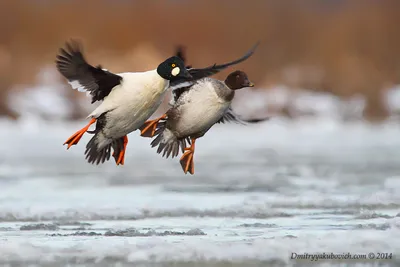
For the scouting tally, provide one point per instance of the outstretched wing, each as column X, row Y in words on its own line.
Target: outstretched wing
column 83, row 76
column 198, row 74
column 180, row 52
column 230, row 116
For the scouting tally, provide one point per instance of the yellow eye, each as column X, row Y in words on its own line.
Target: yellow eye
column 173, row 65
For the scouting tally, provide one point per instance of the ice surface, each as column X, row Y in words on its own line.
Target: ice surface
column 260, row 192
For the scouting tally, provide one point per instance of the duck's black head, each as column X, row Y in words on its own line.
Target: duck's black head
column 238, row 80
column 173, row 67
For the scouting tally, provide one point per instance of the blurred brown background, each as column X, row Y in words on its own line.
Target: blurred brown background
column 337, row 46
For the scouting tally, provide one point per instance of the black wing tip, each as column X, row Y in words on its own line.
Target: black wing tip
column 251, row 51
column 72, row 46
column 72, row 50
column 257, row 44
column 180, row 51
column 254, row 121
column 216, row 68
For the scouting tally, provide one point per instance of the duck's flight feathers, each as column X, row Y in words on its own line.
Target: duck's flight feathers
column 180, row 52
column 82, row 76
column 230, row 116
column 211, row 70
column 198, row 74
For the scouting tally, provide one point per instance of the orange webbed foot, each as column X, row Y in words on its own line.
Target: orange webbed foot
column 148, row 129
column 186, row 160
column 120, row 158
column 76, row 137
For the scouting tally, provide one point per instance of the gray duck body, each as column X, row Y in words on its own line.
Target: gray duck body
column 195, row 109
column 198, row 108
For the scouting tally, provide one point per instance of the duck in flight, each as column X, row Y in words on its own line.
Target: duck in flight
column 194, row 110
column 178, row 83
column 127, row 99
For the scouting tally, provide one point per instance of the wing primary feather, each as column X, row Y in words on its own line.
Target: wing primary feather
column 198, row 74
column 81, row 75
column 237, row 61
column 230, row 116
column 208, row 71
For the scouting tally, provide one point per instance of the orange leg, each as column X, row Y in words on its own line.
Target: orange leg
column 187, row 158
column 121, row 157
column 74, row 139
column 149, row 127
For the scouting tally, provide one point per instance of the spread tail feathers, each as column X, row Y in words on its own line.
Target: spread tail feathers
column 98, row 149
column 168, row 144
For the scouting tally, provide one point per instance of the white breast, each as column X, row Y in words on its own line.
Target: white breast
column 132, row 102
column 200, row 108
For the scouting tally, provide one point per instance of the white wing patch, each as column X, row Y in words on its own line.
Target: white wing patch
column 76, row 85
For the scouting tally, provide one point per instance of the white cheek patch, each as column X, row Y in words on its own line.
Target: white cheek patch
column 175, row 71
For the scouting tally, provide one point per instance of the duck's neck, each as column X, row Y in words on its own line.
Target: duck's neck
column 226, row 93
